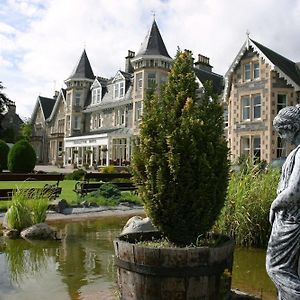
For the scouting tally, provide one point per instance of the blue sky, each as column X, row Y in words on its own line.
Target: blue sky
column 41, row 40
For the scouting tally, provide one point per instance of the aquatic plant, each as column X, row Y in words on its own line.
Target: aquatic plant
column 246, row 209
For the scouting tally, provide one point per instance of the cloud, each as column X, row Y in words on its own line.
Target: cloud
column 43, row 40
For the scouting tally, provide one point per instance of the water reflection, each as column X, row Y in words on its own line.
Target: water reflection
column 80, row 266
column 82, row 259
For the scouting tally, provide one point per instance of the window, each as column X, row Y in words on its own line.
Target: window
column 281, row 101
column 76, row 122
column 225, row 116
column 138, row 110
column 256, row 71
column 247, row 73
column 100, row 121
column 98, row 95
column 281, row 148
column 256, row 147
column 94, row 96
column 119, row 89
column 251, row 107
column 151, row 80
column 245, row 146
column 246, row 108
column 251, row 145
column 77, row 99
column 256, row 107
column 60, row 147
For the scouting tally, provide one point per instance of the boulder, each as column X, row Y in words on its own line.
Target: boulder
column 40, row 231
column 138, row 224
column 11, row 233
column 58, row 205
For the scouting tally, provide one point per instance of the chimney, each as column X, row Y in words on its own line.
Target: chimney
column 203, row 63
column 56, row 93
column 128, row 65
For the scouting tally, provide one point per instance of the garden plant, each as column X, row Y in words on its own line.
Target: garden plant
column 180, row 164
column 21, row 157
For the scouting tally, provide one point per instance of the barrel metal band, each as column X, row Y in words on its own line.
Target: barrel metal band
column 213, row 269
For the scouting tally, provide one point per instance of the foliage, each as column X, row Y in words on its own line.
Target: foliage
column 26, row 130
column 246, row 210
column 28, row 207
column 4, row 149
column 21, row 157
column 76, row 175
column 180, row 164
column 8, row 135
column 18, row 215
column 110, row 195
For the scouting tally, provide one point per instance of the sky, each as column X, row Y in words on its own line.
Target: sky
column 42, row 40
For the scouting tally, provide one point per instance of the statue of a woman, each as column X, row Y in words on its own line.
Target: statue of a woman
column 284, row 245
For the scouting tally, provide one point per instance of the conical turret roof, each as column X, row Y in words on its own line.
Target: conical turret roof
column 83, row 68
column 153, row 43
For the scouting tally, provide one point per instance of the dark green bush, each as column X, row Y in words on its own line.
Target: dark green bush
column 21, row 157
column 4, row 149
column 76, row 175
column 180, row 164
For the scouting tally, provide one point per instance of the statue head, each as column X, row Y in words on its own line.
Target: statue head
column 287, row 122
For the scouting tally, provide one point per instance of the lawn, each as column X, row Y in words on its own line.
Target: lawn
column 66, row 185
column 67, row 192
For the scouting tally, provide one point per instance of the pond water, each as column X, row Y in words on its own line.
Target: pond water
column 80, row 266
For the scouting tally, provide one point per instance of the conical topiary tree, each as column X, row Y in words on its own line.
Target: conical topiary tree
column 4, row 149
column 21, row 157
column 180, row 164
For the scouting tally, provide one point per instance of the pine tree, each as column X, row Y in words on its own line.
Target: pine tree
column 180, row 164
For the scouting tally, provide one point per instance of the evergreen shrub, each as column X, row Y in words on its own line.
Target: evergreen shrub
column 4, row 149
column 21, row 157
column 180, row 164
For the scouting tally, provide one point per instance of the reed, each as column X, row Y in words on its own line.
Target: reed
column 28, row 207
column 246, row 210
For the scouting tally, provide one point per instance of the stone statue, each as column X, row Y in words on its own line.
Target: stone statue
column 282, row 261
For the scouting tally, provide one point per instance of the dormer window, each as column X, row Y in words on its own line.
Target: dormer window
column 119, row 89
column 96, row 95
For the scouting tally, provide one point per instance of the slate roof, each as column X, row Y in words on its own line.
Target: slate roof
column 47, row 105
column 285, row 65
column 153, row 43
column 217, row 80
column 83, row 69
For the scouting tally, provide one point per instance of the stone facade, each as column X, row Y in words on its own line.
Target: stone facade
column 258, row 84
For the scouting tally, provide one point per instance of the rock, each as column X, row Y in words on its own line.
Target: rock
column 138, row 224
column 40, row 231
column 11, row 233
column 58, row 205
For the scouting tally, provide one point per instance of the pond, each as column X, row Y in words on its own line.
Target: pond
column 80, row 266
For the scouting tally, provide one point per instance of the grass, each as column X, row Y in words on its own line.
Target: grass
column 67, row 192
column 246, row 210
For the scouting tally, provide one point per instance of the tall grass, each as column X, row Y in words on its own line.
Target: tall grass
column 28, row 207
column 246, row 210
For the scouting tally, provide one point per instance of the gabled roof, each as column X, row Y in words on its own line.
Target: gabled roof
column 83, row 68
column 285, row 65
column 286, row 68
column 61, row 97
column 153, row 43
column 47, row 105
column 216, row 79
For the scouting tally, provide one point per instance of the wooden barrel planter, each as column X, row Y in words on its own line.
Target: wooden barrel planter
column 146, row 273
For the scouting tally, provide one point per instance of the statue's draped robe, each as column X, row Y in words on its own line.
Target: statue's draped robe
column 284, row 245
